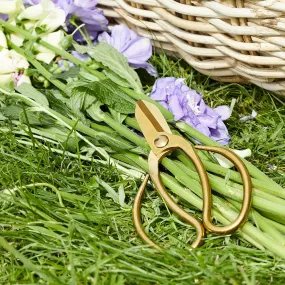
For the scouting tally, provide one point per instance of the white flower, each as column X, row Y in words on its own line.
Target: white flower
column 30, row 24
column 10, row 6
column 46, row 13
column 53, row 20
column 23, row 79
column 17, row 39
column 44, row 54
column 3, row 41
column 11, row 61
column 224, row 162
column 37, row 12
column 5, row 79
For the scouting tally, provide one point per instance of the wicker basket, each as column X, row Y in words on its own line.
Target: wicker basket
column 228, row 40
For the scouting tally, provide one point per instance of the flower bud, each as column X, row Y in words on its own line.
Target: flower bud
column 23, row 79
column 5, row 79
column 66, row 42
column 10, row 6
column 3, row 41
column 47, row 15
column 11, row 61
column 44, row 54
column 17, row 39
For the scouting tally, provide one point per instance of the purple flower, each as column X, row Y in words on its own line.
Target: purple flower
column 187, row 105
column 94, row 21
column 136, row 49
column 85, row 11
column 3, row 17
column 31, row 2
column 65, row 65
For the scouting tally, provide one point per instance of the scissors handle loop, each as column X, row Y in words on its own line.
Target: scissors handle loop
column 247, row 193
column 168, row 143
column 154, row 161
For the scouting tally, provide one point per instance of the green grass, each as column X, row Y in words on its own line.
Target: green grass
column 76, row 233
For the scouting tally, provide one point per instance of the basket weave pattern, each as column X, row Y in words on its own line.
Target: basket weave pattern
column 228, row 40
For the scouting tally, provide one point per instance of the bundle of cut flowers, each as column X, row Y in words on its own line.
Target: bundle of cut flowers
column 69, row 80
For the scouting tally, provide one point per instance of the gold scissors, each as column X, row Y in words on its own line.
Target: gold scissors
column 161, row 141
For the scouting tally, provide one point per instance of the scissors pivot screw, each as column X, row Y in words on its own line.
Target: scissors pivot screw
column 161, row 141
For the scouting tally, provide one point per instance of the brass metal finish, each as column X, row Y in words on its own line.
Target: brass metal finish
column 207, row 197
column 137, row 214
column 162, row 142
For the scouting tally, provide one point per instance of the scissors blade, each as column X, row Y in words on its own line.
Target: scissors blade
column 150, row 120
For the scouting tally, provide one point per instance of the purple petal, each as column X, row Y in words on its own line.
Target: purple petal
column 92, row 33
column 220, row 134
column 31, row 2
column 175, row 108
column 121, row 35
column 86, row 4
column 80, row 56
column 148, row 67
column 93, row 17
column 210, row 122
column 163, row 104
column 187, row 105
column 105, row 38
column 138, row 51
column 4, row 17
column 223, row 111
column 203, row 129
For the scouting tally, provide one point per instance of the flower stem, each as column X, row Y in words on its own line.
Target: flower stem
column 56, row 50
column 224, row 214
column 190, row 180
column 39, row 67
column 235, row 176
column 255, row 172
column 125, row 132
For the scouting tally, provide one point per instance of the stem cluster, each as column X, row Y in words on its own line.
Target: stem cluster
column 265, row 228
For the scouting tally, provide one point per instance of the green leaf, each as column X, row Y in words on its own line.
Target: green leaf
column 116, row 78
column 108, row 93
column 2, row 117
column 12, row 112
column 57, row 101
column 110, row 191
column 70, row 86
column 36, row 118
column 32, row 93
column 95, row 112
column 71, row 73
column 88, row 76
column 80, row 48
column 81, row 98
column 118, row 116
column 114, row 141
column 117, row 63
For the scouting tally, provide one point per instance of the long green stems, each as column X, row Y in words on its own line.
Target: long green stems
column 124, row 131
column 224, row 214
column 233, row 176
column 255, row 172
column 231, row 189
column 189, row 180
column 181, row 125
